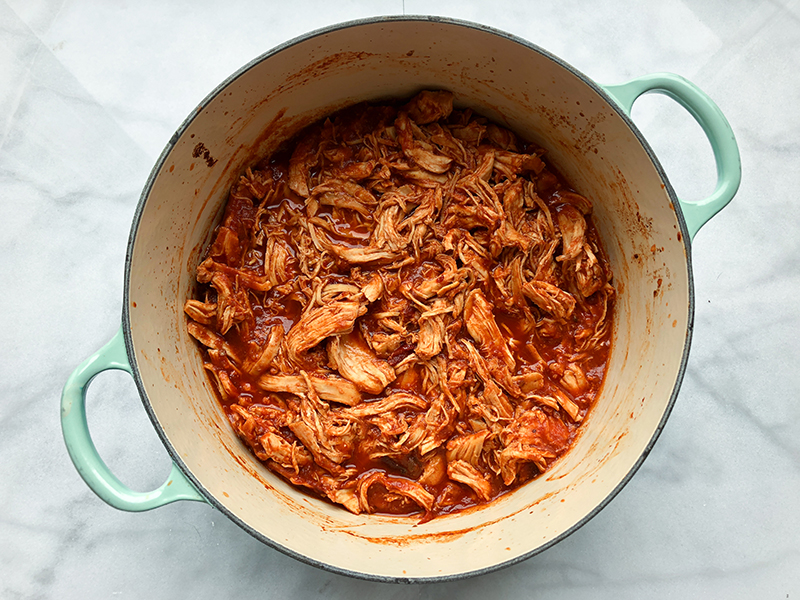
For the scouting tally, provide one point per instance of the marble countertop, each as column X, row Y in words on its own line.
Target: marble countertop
column 90, row 92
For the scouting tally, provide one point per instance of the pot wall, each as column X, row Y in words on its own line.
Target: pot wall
column 516, row 85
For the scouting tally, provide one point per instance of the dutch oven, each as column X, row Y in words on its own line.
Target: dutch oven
column 591, row 140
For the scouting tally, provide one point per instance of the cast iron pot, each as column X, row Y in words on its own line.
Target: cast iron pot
column 585, row 127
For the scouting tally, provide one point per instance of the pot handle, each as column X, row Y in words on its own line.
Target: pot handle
column 82, row 450
column 715, row 126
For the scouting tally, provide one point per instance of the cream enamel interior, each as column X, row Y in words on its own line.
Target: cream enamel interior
column 519, row 87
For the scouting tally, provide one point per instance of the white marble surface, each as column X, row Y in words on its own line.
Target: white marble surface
column 89, row 94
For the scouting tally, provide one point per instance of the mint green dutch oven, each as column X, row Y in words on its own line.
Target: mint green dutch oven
column 591, row 139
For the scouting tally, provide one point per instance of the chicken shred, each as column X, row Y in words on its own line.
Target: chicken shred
column 355, row 361
column 406, row 310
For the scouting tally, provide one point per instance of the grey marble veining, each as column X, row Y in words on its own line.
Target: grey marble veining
column 90, row 93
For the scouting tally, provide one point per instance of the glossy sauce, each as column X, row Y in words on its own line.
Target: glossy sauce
column 545, row 347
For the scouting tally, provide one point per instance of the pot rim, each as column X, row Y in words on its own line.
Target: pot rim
column 126, row 313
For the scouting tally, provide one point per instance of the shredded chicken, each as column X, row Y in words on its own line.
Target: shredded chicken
column 407, row 310
column 320, row 323
column 355, row 361
column 327, row 386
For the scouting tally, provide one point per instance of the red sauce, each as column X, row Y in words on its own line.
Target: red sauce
column 538, row 341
